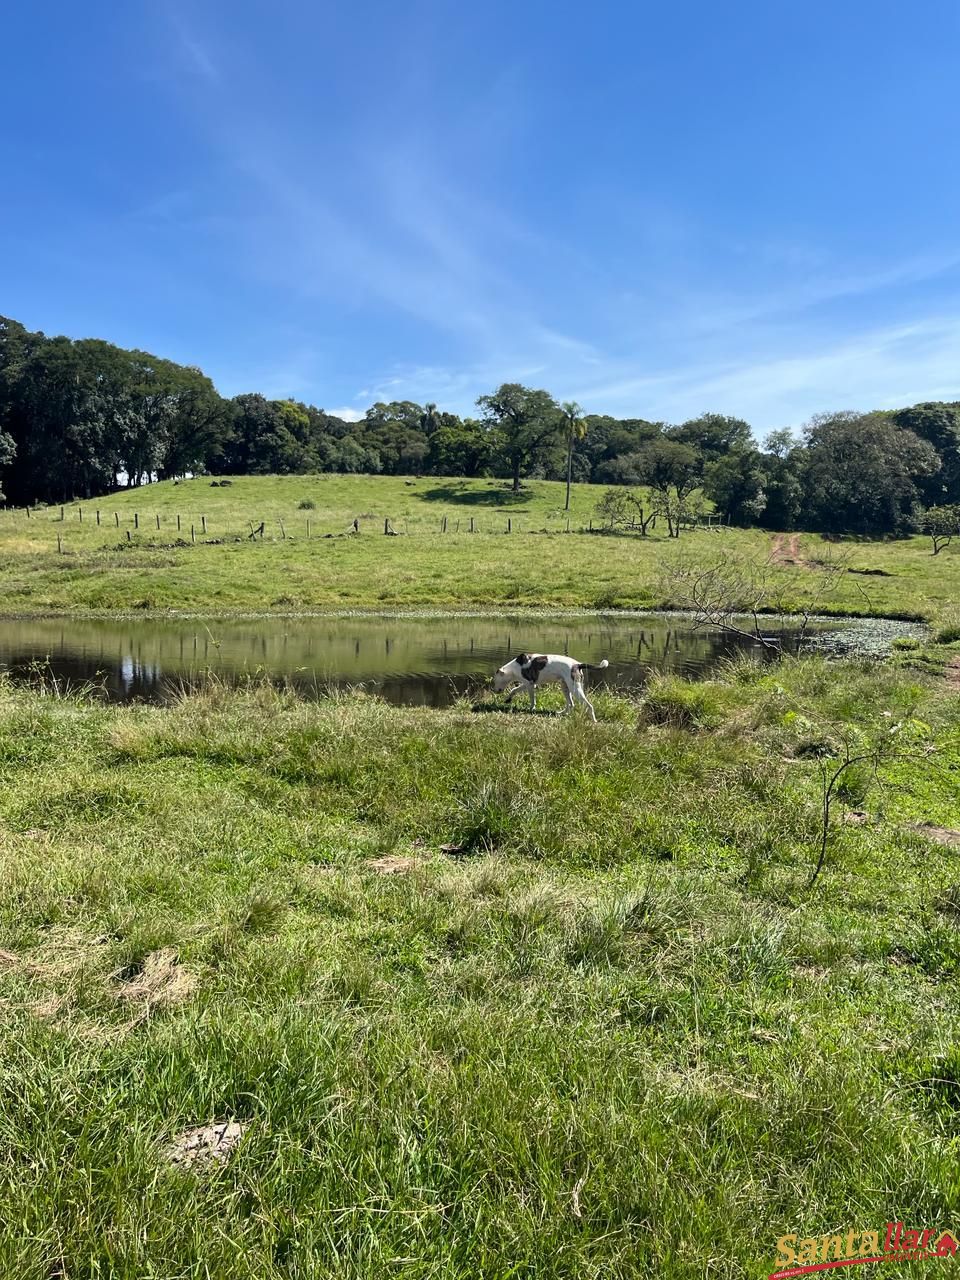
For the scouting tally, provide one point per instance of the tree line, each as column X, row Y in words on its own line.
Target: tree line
column 81, row 417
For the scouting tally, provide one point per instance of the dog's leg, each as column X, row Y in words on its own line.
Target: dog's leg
column 516, row 689
column 533, row 697
column 586, row 701
column 568, row 694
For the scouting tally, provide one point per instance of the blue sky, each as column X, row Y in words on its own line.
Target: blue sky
column 656, row 210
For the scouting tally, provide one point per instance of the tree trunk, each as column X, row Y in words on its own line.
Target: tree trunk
column 516, row 475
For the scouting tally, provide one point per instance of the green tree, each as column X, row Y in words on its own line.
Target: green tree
column 574, row 428
column 396, row 432
column 624, row 508
column 464, row 449
column 197, row 421
column 782, row 464
column 673, row 471
column 939, row 424
column 734, row 484
column 942, row 524
column 8, row 449
column 608, row 440
column 862, row 475
column 713, row 435
column 58, row 411
column 523, row 422
column 780, row 442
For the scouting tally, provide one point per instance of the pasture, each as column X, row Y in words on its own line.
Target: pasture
column 484, row 995
column 479, row 995
column 120, row 565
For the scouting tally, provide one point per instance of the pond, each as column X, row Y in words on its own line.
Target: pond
column 422, row 660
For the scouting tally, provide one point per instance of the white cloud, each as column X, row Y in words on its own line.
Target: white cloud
column 346, row 413
column 876, row 368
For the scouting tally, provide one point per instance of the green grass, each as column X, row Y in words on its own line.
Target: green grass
column 614, row 1035
column 539, row 564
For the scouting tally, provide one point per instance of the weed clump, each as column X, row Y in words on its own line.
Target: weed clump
column 488, row 819
column 674, row 703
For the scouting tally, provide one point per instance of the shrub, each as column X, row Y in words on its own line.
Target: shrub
column 306, row 504
column 947, row 634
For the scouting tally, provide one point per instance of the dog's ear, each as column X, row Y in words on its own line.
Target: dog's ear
column 522, row 659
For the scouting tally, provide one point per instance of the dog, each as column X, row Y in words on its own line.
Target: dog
column 529, row 670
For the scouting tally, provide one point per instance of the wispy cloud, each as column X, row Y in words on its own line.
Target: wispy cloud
column 793, row 296
column 876, row 368
column 193, row 50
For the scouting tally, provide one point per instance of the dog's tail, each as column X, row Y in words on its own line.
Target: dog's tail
column 593, row 666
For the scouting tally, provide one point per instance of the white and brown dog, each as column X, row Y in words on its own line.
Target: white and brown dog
column 529, row 670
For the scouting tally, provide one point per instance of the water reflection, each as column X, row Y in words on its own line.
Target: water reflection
column 409, row 661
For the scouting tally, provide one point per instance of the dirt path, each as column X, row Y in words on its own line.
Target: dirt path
column 786, row 549
column 952, row 674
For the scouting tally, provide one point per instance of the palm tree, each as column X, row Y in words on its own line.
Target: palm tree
column 575, row 429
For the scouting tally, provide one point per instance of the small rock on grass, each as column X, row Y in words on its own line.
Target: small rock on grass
column 205, row 1144
column 392, row 864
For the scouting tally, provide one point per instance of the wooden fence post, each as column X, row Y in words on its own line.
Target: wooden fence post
column 61, row 515
column 128, row 535
column 178, row 522
column 80, row 514
column 471, row 524
column 203, row 521
column 509, row 525
column 116, row 516
column 193, row 533
column 308, row 530
column 136, row 519
column 98, row 519
column 59, row 544
column 158, row 519
column 283, row 532
column 27, row 510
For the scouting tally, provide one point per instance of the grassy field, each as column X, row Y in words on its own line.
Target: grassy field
column 97, row 569
column 607, row 1032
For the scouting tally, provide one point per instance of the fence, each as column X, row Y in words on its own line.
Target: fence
column 277, row 526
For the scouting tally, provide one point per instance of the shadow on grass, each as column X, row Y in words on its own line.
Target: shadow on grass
column 482, row 707
column 493, row 497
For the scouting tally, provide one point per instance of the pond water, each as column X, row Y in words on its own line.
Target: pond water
column 423, row 660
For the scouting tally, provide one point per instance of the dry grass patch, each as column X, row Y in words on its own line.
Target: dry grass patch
column 160, row 984
column 393, row 864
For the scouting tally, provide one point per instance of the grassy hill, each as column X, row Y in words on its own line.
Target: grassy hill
column 310, row 558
